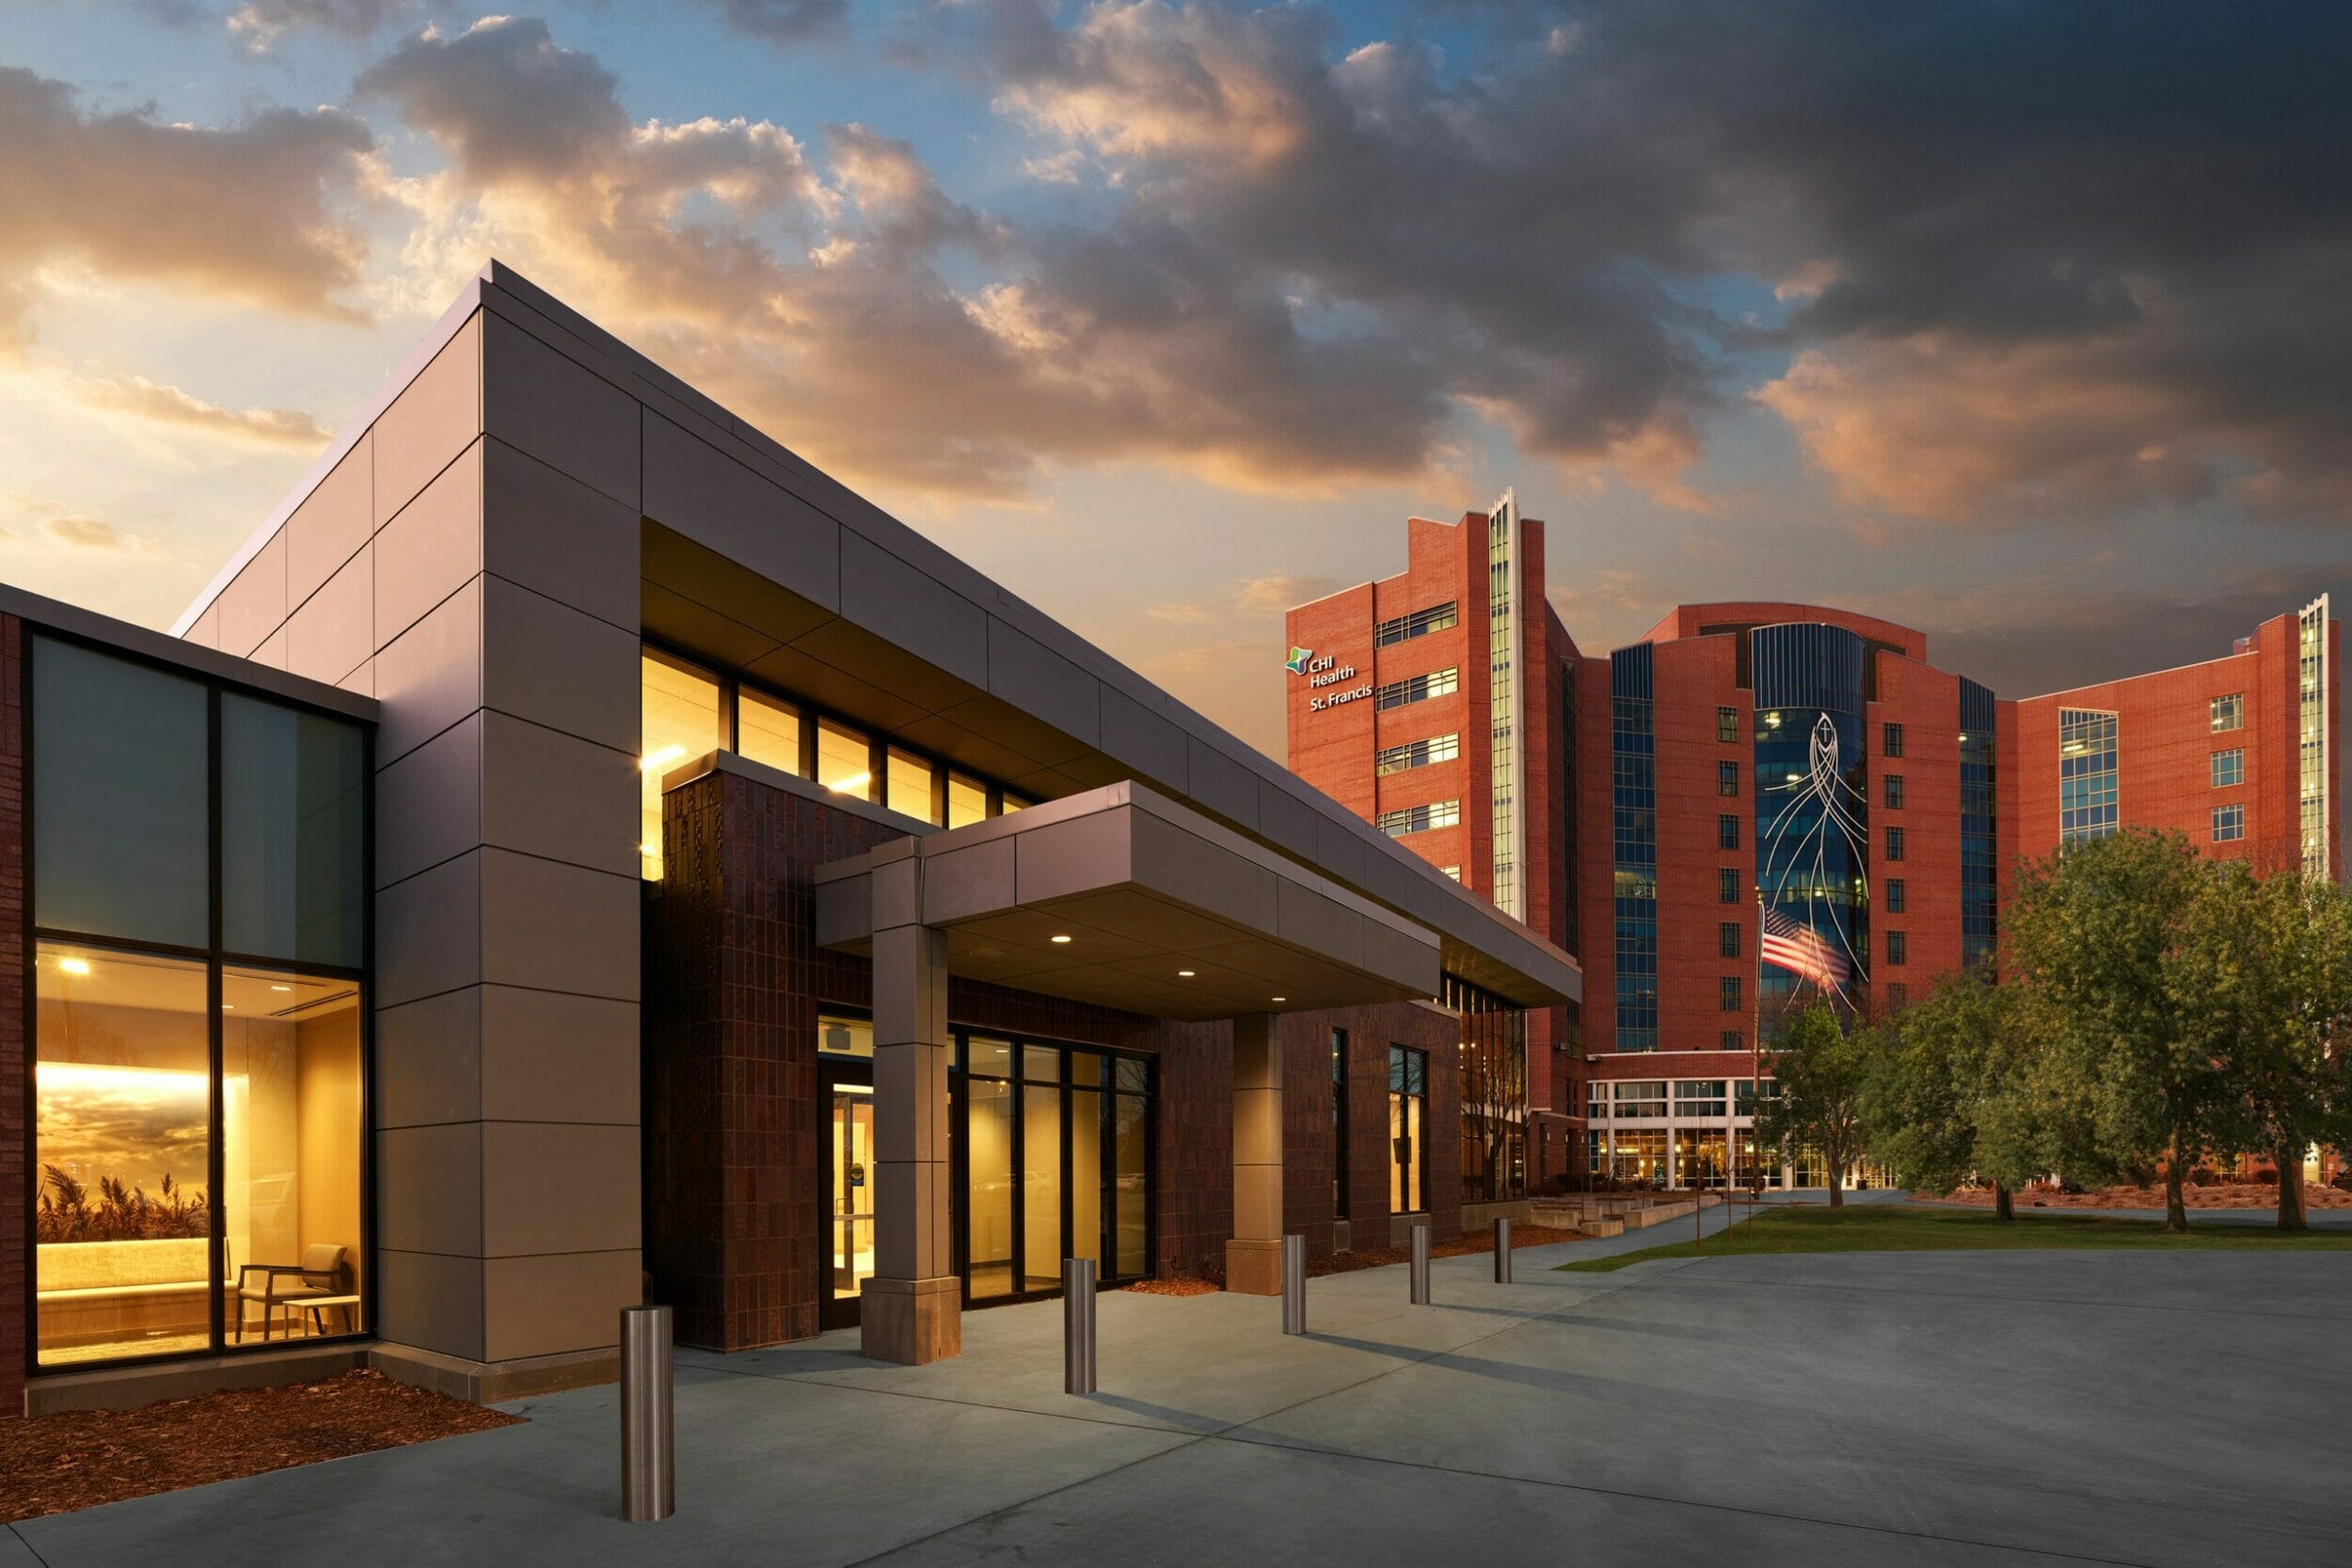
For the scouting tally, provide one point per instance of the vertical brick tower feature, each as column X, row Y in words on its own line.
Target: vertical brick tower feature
column 1436, row 703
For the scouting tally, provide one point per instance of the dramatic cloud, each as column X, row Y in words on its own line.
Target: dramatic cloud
column 250, row 211
column 147, row 400
column 508, row 103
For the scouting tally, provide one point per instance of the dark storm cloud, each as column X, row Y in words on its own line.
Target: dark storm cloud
column 2040, row 260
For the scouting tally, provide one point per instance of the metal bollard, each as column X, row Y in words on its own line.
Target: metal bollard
column 1420, row 1263
column 1294, row 1284
column 1077, row 1325
column 1503, row 1252
column 648, row 1417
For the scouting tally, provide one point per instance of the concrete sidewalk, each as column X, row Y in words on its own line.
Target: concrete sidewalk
column 1855, row 1408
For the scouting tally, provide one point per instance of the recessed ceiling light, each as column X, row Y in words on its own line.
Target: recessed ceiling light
column 74, row 966
column 1061, row 939
column 1282, row 999
column 281, row 988
column 228, row 1007
column 1184, row 974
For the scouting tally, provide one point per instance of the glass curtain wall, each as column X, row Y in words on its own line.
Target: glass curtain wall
column 1812, row 806
column 1056, row 1152
column 1634, row 787
column 1494, row 1094
column 1980, row 829
column 1409, row 1130
column 199, row 885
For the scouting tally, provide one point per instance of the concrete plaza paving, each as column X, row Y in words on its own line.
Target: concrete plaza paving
column 2124, row 1407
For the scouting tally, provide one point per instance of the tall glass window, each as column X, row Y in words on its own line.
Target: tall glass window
column 1812, row 841
column 1634, row 787
column 1979, row 843
column 1409, row 1130
column 199, row 1105
column 122, row 1217
column 2087, row 796
column 291, row 1128
column 2313, row 727
column 967, row 801
column 1493, row 1056
column 1055, row 1149
column 679, row 721
column 1338, row 1124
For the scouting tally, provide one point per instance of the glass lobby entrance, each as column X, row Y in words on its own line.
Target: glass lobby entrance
column 1052, row 1158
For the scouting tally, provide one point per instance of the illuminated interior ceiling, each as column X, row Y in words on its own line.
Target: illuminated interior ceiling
column 100, row 977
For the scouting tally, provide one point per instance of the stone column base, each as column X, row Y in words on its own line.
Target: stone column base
column 1253, row 1268
column 911, row 1321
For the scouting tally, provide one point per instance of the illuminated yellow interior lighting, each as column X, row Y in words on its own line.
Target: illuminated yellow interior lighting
column 855, row 780
column 55, row 1077
column 1061, row 939
column 660, row 759
column 74, row 966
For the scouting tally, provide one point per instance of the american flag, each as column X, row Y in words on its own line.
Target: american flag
column 1801, row 950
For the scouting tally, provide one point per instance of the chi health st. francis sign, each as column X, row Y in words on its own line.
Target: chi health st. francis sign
column 1326, row 671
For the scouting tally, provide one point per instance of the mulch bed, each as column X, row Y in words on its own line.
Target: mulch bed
column 1522, row 1235
column 2245, row 1194
column 82, row 1458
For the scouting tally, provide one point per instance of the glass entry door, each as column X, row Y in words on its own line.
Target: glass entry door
column 846, row 1105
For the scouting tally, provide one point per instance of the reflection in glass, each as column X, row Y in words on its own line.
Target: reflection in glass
column 967, row 801
column 1040, row 1189
column 1129, row 1117
column 679, row 722
column 290, row 1138
column 984, row 1053
column 767, row 731
column 1408, row 1114
column 844, row 760
column 121, row 776
column 987, row 1205
column 1085, row 1174
column 851, row 1224
column 293, row 831
column 910, row 785
column 121, row 1117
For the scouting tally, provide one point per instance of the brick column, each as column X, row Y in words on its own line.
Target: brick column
column 911, row 1309
column 1254, row 1259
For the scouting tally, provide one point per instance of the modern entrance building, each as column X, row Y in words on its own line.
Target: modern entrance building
column 578, row 853
column 1759, row 804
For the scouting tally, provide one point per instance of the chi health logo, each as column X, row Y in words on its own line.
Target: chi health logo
column 1297, row 665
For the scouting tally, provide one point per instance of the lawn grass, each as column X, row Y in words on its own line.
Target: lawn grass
column 1918, row 1227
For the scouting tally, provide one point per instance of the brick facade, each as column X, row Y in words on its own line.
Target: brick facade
column 733, row 1129
column 15, row 1120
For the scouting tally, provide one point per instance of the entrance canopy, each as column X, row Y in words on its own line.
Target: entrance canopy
column 1122, row 898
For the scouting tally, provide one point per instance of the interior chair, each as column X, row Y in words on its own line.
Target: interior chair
column 288, row 1285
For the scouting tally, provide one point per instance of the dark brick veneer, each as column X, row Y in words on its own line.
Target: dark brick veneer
column 734, row 982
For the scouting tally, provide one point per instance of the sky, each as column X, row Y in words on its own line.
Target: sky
column 2024, row 325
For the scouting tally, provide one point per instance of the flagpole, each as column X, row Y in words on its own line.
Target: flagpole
column 1756, row 1059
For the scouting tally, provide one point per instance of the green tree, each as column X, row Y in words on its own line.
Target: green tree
column 1948, row 1095
column 1821, row 1070
column 2262, row 979
column 2096, row 935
